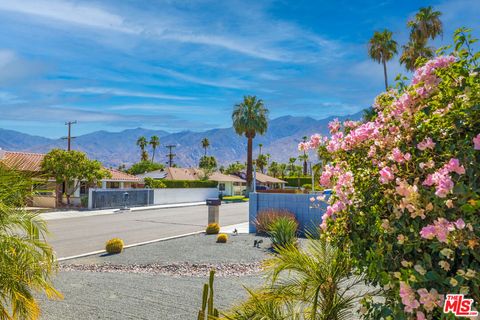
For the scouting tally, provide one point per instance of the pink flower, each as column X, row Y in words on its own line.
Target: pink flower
column 476, row 142
column 428, row 232
column 386, row 175
column 334, row 126
column 420, row 315
column 459, row 224
column 454, row 166
column 408, row 297
column 303, row 146
column 426, row 144
column 315, row 141
column 429, row 300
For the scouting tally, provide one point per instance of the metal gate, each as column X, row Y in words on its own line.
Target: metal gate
column 104, row 198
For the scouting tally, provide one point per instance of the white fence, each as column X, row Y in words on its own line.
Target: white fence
column 182, row 195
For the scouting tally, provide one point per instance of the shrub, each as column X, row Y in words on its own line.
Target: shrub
column 266, row 217
column 153, row 183
column 282, row 232
column 114, row 245
column 405, row 194
column 189, row 184
column 308, row 187
column 297, row 181
column 144, row 166
column 222, row 238
column 213, row 228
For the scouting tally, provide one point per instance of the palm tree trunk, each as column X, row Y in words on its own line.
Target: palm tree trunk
column 249, row 163
column 205, row 151
column 153, row 153
column 385, row 73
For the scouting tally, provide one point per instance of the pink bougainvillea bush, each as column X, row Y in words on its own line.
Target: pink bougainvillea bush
column 406, row 188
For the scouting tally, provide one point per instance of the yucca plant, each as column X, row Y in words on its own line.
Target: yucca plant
column 27, row 262
column 282, row 232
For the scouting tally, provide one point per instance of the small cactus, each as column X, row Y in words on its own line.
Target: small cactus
column 213, row 228
column 208, row 312
column 222, row 238
column 114, row 245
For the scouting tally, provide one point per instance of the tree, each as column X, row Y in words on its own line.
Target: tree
column 260, row 146
column 426, row 25
column 273, row 169
column 261, row 162
column 154, row 142
column 291, row 164
column 414, row 50
column 235, row 168
column 381, row 49
column 27, row 261
column 208, row 163
column 282, row 170
column 205, row 145
column 142, row 143
column 304, row 157
column 144, row 166
column 71, row 168
column 249, row 119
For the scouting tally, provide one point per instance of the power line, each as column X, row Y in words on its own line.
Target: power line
column 170, row 155
column 69, row 137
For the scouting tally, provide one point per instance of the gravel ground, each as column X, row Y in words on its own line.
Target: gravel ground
column 163, row 280
column 199, row 248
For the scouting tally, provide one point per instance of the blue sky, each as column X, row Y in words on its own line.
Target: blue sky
column 182, row 65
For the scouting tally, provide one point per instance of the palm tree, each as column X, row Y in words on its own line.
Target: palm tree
column 282, row 170
column 260, row 145
column 154, row 142
column 382, row 48
column 142, row 143
column 304, row 157
column 291, row 162
column 205, row 144
column 425, row 25
column 311, row 282
column 414, row 50
column 273, row 169
column 27, row 262
column 249, row 119
column 261, row 162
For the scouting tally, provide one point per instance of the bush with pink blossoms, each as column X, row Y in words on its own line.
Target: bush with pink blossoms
column 406, row 188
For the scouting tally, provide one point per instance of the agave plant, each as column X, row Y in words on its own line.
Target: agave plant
column 282, row 231
column 27, row 262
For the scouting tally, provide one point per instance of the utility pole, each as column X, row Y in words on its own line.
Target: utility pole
column 69, row 137
column 170, row 155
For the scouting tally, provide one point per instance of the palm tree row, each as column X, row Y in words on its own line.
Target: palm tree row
column 142, row 142
column 425, row 25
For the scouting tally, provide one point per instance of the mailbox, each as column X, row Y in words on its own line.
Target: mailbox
column 213, row 202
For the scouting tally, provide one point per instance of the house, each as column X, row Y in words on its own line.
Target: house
column 48, row 190
column 228, row 185
column 266, row 181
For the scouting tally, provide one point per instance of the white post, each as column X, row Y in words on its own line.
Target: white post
column 254, row 178
column 104, row 184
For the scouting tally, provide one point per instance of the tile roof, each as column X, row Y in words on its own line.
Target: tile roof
column 28, row 161
column 23, row 161
column 189, row 174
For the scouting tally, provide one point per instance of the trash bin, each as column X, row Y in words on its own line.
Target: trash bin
column 213, row 210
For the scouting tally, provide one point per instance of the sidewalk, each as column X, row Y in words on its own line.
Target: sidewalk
column 87, row 213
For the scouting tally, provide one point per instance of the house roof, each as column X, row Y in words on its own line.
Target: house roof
column 32, row 162
column 22, row 161
column 121, row 176
column 263, row 178
column 188, row 174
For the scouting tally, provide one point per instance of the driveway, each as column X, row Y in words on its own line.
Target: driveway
column 75, row 236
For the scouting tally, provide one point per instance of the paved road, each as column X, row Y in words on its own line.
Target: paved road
column 75, row 236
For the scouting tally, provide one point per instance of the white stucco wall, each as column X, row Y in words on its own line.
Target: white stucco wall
column 182, row 195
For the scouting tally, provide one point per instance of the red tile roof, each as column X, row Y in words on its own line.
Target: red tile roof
column 23, row 161
column 27, row 161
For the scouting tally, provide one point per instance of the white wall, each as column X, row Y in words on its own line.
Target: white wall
column 180, row 195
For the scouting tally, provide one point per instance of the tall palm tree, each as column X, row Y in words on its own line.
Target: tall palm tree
column 154, row 142
column 282, row 170
column 249, row 119
column 382, row 48
column 205, row 144
column 304, row 157
column 291, row 162
column 142, row 143
column 273, row 169
column 414, row 50
column 260, row 145
column 426, row 25
column 27, row 262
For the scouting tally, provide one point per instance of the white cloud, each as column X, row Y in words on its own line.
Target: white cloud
column 125, row 93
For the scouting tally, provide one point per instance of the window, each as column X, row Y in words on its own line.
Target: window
column 221, row 186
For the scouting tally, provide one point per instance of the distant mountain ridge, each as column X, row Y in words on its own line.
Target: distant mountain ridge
column 116, row 148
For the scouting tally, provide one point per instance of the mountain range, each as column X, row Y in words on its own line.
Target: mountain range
column 117, row 148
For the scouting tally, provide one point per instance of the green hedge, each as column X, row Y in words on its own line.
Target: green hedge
column 189, row 184
column 293, row 181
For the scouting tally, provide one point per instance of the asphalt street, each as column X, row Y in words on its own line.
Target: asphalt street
column 75, row 236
